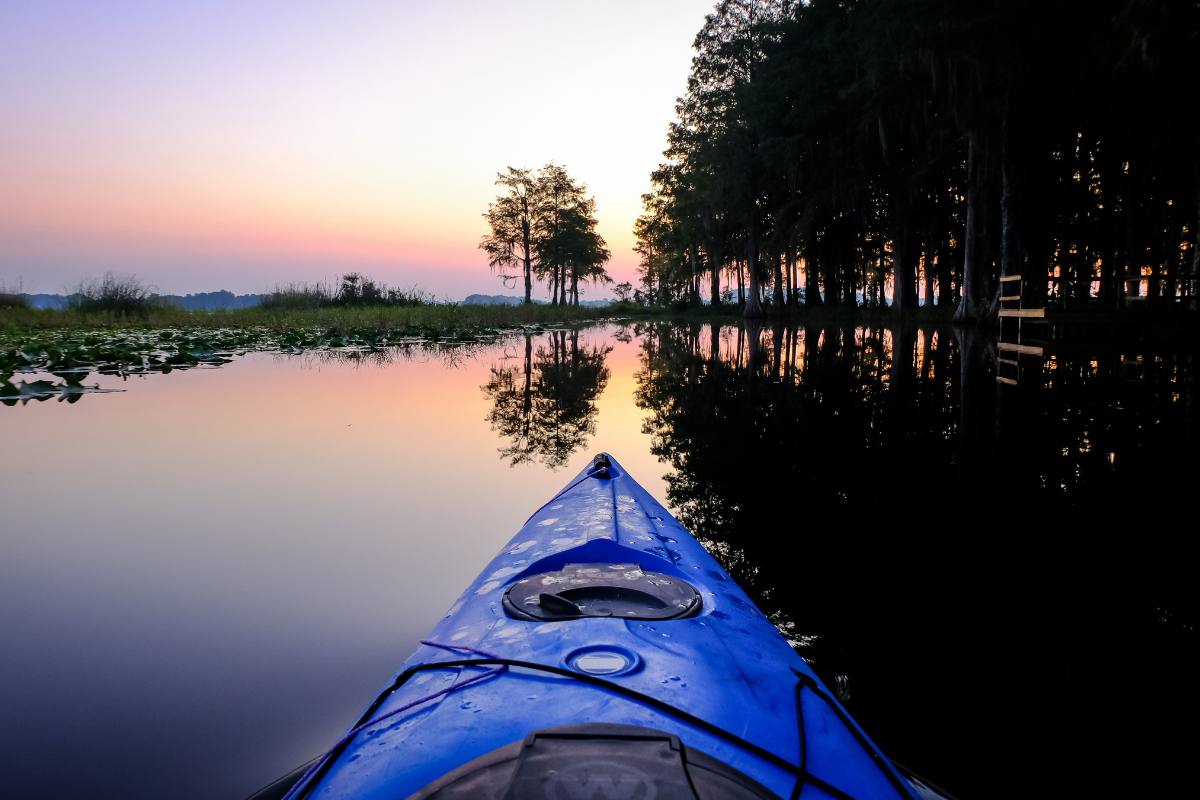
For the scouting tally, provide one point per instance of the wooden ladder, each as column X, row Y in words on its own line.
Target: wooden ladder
column 1007, row 370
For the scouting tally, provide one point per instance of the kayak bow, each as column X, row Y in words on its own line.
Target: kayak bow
column 604, row 654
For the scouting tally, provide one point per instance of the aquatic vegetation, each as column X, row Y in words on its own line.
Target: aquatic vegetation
column 73, row 354
column 424, row 320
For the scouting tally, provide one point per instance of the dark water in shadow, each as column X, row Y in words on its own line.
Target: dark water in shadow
column 206, row 576
column 994, row 573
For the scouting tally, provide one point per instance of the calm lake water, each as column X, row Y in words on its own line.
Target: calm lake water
column 206, row 575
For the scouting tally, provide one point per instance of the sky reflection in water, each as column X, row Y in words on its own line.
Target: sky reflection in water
column 206, row 576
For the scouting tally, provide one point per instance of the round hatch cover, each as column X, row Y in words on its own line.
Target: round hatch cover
column 601, row 590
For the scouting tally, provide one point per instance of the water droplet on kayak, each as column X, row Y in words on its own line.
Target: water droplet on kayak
column 550, row 521
column 532, row 697
column 560, row 505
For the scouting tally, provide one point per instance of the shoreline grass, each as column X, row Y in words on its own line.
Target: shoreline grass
column 426, row 319
column 422, row 320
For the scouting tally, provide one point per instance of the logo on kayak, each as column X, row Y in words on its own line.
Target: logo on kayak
column 600, row 780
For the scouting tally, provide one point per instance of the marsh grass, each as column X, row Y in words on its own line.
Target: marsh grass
column 115, row 293
column 352, row 290
column 299, row 312
column 424, row 320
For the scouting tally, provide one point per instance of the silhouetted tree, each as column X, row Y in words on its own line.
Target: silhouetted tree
column 565, row 239
column 876, row 141
column 511, row 217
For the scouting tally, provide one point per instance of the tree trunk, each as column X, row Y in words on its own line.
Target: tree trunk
column 753, row 308
column 812, row 287
column 972, row 280
column 927, row 269
column 716, row 279
column 777, row 294
column 1195, row 287
column 574, row 288
column 944, row 280
column 528, row 263
column 796, row 276
column 905, row 251
column 833, row 290
column 694, row 284
column 790, row 272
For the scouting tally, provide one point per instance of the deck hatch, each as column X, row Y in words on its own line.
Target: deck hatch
column 625, row 591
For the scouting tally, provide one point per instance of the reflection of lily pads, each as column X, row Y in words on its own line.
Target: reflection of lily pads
column 72, row 355
column 69, row 390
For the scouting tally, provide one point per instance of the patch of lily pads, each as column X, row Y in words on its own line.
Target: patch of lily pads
column 72, row 356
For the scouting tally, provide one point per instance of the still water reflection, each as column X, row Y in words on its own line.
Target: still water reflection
column 206, row 575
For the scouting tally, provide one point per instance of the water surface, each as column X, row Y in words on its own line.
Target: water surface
column 207, row 574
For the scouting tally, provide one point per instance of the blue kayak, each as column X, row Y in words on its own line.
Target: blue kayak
column 604, row 655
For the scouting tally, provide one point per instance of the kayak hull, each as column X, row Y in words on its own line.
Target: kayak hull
column 722, row 680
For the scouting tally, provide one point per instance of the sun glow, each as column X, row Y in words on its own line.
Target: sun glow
column 244, row 145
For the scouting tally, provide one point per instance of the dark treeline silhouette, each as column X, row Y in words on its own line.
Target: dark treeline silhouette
column 546, row 407
column 839, row 151
column 969, row 562
column 544, row 228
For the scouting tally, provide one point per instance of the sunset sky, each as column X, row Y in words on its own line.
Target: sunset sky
column 233, row 145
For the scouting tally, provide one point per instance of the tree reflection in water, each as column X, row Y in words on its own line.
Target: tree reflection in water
column 546, row 406
column 936, row 535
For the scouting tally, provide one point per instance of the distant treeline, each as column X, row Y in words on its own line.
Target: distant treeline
column 838, row 149
column 188, row 302
column 128, row 294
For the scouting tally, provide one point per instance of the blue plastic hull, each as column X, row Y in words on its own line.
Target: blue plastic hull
column 728, row 666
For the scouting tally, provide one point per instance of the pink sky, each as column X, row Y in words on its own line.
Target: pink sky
column 238, row 144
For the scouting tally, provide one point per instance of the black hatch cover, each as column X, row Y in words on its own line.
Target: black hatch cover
column 595, row 762
column 601, row 590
